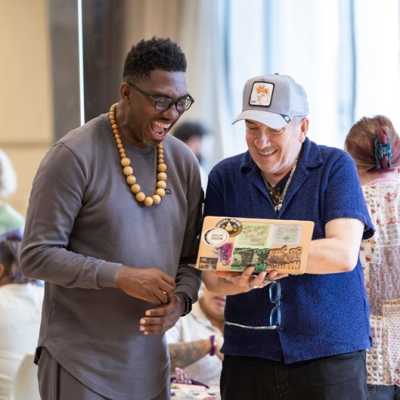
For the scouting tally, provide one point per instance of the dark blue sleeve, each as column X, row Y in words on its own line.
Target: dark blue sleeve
column 344, row 197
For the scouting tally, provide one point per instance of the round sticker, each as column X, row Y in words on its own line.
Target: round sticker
column 216, row 237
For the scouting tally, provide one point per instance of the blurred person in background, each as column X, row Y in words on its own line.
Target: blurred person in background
column 192, row 134
column 20, row 313
column 195, row 341
column 375, row 147
column 11, row 222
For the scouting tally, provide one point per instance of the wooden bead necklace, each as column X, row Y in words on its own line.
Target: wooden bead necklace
column 127, row 169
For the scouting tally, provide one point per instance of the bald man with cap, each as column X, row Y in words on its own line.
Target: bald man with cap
column 305, row 336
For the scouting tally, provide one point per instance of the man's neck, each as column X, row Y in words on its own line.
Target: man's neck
column 274, row 179
column 125, row 131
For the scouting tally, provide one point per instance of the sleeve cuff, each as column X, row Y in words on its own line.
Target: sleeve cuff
column 107, row 274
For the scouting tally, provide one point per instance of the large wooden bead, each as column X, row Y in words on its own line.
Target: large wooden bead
column 140, row 196
column 125, row 162
column 135, row 188
column 131, row 179
column 161, row 184
column 162, row 176
column 162, row 167
column 128, row 171
column 156, row 199
column 160, row 192
column 148, row 201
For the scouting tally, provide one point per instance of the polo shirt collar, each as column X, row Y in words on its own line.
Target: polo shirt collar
column 310, row 157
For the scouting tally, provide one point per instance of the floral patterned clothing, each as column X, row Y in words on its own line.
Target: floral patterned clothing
column 380, row 256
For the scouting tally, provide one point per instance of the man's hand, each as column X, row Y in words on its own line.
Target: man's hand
column 231, row 283
column 148, row 284
column 244, row 282
column 158, row 320
column 275, row 275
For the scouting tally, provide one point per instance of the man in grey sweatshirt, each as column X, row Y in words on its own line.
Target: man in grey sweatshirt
column 111, row 228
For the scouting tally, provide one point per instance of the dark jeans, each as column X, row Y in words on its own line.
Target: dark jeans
column 381, row 392
column 341, row 377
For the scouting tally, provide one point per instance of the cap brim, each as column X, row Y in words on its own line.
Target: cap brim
column 274, row 121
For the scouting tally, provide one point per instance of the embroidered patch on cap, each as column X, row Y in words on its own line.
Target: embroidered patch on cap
column 261, row 94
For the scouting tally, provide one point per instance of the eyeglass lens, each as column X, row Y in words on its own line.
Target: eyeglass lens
column 275, row 294
column 164, row 103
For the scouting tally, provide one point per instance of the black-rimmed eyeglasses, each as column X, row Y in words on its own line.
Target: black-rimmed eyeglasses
column 274, row 317
column 164, row 103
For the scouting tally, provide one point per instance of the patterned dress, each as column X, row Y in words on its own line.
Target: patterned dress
column 380, row 256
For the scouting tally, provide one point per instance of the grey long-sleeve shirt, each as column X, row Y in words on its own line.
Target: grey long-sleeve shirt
column 82, row 225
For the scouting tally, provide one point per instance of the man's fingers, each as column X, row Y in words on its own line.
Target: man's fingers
column 248, row 271
column 146, row 322
column 274, row 275
column 168, row 280
column 148, row 298
column 161, row 295
column 164, row 286
column 151, row 326
column 245, row 277
column 157, row 311
column 226, row 274
column 259, row 279
column 151, row 330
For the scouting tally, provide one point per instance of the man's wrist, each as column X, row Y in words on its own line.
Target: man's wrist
column 185, row 302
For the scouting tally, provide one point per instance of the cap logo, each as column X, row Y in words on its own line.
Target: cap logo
column 261, row 94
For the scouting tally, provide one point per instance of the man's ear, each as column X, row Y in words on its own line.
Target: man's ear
column 2, row 270
column 124, row 90
column 303, row 129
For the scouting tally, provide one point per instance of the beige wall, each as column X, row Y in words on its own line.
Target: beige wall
column 25, row 87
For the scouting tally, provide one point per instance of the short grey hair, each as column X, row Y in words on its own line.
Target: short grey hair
column 8, row 178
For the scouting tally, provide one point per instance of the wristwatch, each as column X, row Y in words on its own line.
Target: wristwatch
column 187, row 303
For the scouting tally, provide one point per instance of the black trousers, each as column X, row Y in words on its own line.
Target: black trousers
column 341, row 377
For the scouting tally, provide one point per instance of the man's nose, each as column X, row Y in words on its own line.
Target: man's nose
column 262, row 140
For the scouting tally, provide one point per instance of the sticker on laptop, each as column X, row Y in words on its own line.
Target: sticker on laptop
column 261, row 94
column 216, row 237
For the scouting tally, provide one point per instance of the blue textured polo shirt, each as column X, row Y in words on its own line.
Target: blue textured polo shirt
column 322, row 315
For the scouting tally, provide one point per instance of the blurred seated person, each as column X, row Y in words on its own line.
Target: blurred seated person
column 196, row 339
column 11, row 222
column 20, row 312
column 192, row 134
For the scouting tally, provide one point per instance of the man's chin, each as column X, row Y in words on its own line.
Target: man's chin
column 153, row 141
column 155, row 138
